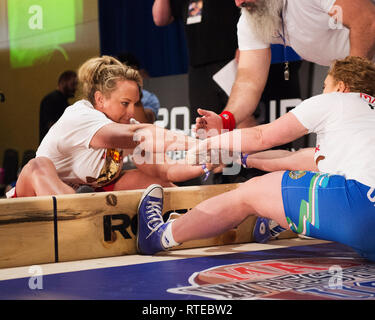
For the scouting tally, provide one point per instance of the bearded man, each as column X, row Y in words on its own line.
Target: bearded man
column 320, row 31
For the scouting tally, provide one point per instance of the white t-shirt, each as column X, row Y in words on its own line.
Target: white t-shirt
column 345, row 128
column 67, row 145
column 308, row 29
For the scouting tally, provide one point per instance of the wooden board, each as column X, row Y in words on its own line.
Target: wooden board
column 105, row 224
column 26, row 232
column 87, row 226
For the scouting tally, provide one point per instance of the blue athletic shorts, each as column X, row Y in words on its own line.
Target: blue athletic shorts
column 330, row 207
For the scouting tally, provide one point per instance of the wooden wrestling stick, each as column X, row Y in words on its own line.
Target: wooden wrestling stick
column 26, row 231
column 107, row 222
column 87, row 226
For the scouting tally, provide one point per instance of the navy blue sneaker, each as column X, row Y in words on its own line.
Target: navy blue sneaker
column 265, row 230
column 261, row 231
column 150, row 221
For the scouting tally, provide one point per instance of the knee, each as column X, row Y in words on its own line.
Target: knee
column 250, row 193
column 38, row 166
column 166, row 184
column 250, row 185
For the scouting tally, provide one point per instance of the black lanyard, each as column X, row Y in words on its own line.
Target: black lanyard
column 286, row 62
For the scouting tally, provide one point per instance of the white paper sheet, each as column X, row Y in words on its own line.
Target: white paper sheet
column 226, row 76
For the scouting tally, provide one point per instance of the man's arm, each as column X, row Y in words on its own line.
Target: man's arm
column 252, row 75
column 359, row 17
column 162, row 13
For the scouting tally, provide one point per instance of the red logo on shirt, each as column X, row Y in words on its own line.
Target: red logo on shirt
column 369, row 99
column 114, row 154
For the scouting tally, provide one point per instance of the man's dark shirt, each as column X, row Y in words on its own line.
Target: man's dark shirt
column 52, row 107
column 215, row 38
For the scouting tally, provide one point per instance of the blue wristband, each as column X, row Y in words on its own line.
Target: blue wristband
column 244, row 159
column 206, row 171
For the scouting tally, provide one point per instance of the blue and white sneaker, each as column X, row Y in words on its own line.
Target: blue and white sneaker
column 261, row 231
column 150, row 221
column 275, row 229
column 265, row 230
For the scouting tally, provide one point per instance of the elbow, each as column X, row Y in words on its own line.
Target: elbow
column 261, row 141
column 370, row 30
column 266, row 141
column 373, row 31
column 158, row 22
column 161, row 20
column 254, row 139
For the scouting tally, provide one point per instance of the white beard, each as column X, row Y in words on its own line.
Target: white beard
column 265, row 19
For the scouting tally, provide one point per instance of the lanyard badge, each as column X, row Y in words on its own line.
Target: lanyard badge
column 195, row 12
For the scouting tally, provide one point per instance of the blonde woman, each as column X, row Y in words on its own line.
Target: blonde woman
column 87, row 144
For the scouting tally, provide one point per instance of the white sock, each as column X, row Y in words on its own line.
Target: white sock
column 167, row 239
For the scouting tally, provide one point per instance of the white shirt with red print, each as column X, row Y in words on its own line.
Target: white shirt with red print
column 345, row 128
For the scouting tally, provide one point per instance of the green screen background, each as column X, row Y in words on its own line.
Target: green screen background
column 56, row 25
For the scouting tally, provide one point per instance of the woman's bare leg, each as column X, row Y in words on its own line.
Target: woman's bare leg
column 258, row 196
column 39, row 178
column 136, row 179
column 167, row 169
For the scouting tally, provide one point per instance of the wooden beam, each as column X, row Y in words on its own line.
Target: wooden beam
column 87, row 226
column 105, row 224
column 26, row 232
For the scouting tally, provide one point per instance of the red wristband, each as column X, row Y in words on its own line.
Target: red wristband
column 229, row 123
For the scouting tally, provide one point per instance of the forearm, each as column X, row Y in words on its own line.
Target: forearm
column 140, row 138
column 175, row 141
column 251, row 140
column 247, row 140
column 362, row 41
column 359, row 17
column 263, row 137
column 251, row 78
column 280, row 160
column 115, row 135
column 154, row 139
column 167, row 169
column 244, row 97
column 183, row 172
column 161, row 12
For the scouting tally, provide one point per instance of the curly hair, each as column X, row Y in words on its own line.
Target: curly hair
column 356, row 72
column 102, row 74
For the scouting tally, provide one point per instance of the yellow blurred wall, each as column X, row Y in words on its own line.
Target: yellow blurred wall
column 25, row 87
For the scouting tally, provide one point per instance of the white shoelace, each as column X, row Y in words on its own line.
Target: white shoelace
column 153, row 210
